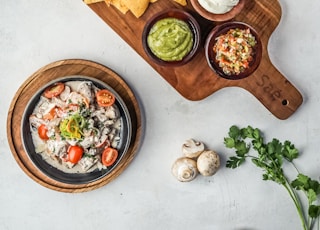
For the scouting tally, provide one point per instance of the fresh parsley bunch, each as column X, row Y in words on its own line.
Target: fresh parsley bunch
column 270, row 158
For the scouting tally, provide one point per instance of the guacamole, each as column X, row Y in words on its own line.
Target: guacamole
column 170, row 39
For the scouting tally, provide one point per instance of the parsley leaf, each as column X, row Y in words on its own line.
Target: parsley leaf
column 270, row 157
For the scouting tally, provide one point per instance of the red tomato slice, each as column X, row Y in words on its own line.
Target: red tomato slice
column 42, row 131
column 105, row 98
column 54, row 90
column 75, row 154
column 109, row 156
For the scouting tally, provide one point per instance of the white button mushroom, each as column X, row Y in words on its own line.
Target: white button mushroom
column 208, row 163
column 185, row 169
column 192, row 148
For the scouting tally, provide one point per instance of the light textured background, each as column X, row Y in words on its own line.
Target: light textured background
column 146, row 196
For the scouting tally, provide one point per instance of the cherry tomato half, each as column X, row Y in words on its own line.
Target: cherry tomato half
column 54, row 90
column 42, row 131
column 109, row 156
column 75, row 154
column 105, row 98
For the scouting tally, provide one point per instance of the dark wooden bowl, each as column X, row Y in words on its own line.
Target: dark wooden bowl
column 218, row 17
column 178, row 14
column 211, row 55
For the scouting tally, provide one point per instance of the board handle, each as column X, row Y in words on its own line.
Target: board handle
column 274, row 91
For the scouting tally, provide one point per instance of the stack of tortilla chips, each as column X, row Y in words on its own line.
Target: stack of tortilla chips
column 137, row 7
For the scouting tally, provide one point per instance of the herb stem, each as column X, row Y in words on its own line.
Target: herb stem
column 271, row 157
column 309, row 221
column 295, row 167
column 298, row 205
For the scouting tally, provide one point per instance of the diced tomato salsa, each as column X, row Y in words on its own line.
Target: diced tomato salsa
column 234, row 50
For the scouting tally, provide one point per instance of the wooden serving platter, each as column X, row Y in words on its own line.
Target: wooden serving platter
column 195, row 80
column 42, row 77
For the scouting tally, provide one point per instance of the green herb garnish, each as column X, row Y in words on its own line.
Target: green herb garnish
column 270, row 158
column 72, row 126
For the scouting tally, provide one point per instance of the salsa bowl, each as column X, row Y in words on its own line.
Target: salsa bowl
column 233, row 50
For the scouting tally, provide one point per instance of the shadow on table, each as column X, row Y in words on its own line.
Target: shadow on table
column 243, row 228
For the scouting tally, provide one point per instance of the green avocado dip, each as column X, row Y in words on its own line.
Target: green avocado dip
column 170, row 39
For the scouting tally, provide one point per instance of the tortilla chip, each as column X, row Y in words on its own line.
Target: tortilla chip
column 108, row 2
column 119, row 5
column 137, row 7
column 92, row 1
column 181, row 2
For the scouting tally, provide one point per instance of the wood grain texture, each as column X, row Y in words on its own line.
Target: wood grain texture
column 196, row 81
column 47, row 74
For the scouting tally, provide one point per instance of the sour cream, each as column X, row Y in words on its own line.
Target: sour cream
column 218, row 6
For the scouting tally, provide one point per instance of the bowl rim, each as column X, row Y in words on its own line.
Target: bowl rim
column 49, row 170
column 218, row 17
column 222, row 29
column 179, row 14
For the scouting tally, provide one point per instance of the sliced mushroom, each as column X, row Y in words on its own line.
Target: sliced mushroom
column 185, row 169
column 77, row 98
column 192, row 148
column 208, row 163
column 87, row 162
column 85, row 89
column 65, row 94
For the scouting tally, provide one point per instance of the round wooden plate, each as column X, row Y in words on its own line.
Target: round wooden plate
column 48, row 73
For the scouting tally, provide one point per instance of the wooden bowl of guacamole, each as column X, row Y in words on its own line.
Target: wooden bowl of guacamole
column 171, row 37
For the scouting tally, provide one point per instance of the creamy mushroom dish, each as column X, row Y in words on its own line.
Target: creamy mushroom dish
column 76, row 127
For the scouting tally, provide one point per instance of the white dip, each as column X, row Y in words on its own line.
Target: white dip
column 218, row 6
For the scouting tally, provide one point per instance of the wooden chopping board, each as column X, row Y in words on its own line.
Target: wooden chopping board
column 195, row 80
